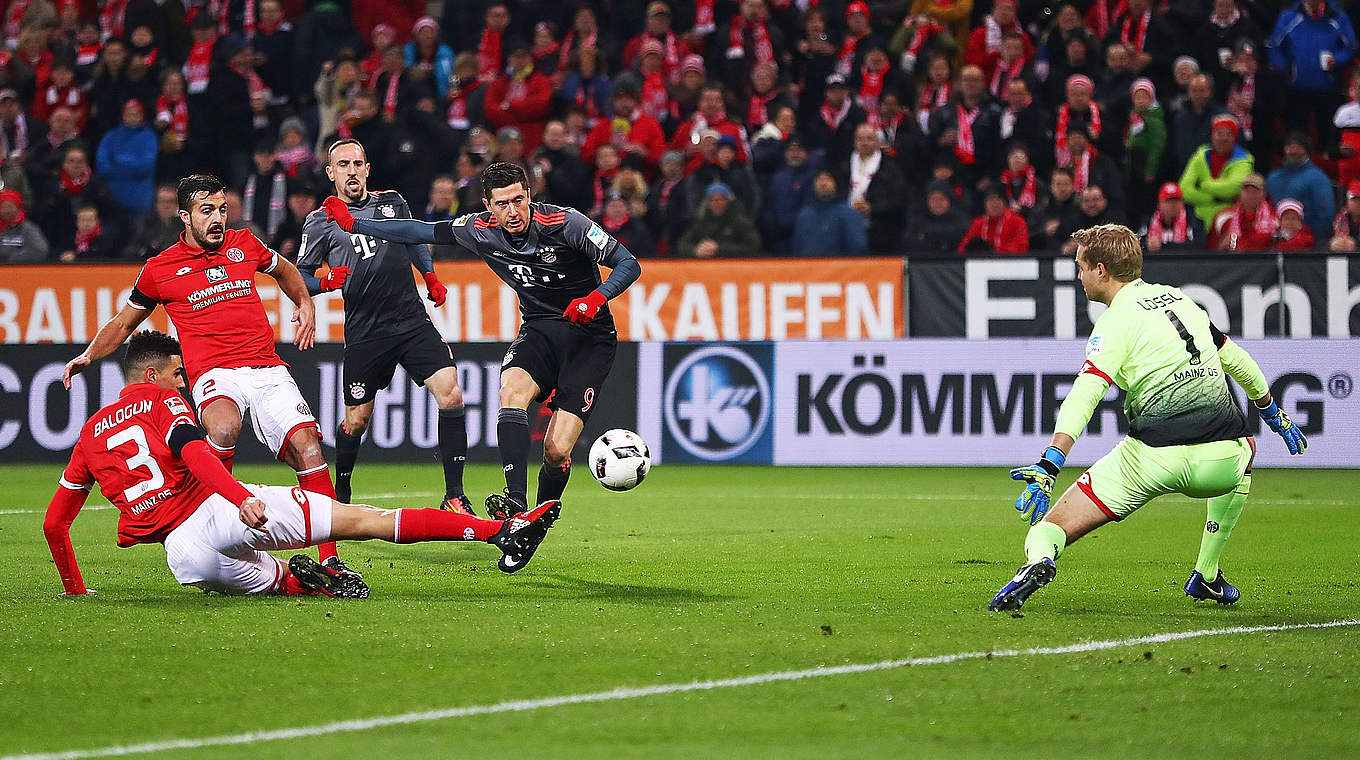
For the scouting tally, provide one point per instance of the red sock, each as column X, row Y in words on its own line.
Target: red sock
column 318, row 480
column 290, row 586
column 226, row 455
column 437, row 525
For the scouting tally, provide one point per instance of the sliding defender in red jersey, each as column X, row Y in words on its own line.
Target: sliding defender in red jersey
column 206, row 282
column 151, row 461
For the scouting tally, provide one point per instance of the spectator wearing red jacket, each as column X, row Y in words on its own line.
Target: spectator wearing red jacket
column 520, row 97
column 630, row 130
column 984, row 43
column 1249, row 224
column 61, row 91
column 1291, row 234
column 674, row 50
column 999, row 230
column 711, row 115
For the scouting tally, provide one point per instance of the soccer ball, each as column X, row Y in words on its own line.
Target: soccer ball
column 620, row 459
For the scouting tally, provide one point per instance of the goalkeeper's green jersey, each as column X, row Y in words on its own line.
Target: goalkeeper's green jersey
column 1158, row 345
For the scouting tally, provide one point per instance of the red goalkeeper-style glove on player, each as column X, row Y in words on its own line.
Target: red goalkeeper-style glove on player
column 583, row 310
column 338, row 212
column 436, row 291
column 334, row 279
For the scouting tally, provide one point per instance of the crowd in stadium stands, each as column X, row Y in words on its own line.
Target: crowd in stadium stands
column 695, row 128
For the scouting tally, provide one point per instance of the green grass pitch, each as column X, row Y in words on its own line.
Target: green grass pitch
column 710, row 573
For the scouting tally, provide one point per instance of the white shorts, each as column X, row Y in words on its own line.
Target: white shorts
column 215, row 551
column 269, row 393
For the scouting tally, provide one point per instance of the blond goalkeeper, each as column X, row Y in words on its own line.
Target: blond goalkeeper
column 1186, row 434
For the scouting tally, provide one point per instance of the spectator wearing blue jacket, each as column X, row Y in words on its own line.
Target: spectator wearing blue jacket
column 1312, row 44
column 127, row 161
column 826, row 225
column 430, row 58
column 1299, row 179
column 789, row 190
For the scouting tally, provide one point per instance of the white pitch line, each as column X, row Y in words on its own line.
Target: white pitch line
column 631, row 692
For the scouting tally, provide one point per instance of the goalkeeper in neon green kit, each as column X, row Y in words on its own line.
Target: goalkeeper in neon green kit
column 1185, row 433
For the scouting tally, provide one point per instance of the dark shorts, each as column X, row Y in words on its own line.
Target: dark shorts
column 568, row 362
column 369, row 364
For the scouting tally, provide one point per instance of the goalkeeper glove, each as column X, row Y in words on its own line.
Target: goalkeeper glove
column 1034, row 500
column 583, row 310
column 338, row 212
column 334, row 279
column 1278, row 421
column 435, row 290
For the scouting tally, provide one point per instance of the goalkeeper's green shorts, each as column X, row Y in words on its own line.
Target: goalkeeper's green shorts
column 1134, row 473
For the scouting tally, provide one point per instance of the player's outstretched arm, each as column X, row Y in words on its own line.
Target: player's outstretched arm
column 291, row 283
column 109, row 338
column 624, row 271
column 394, row 230
column 1241, row 367
column 61, row 512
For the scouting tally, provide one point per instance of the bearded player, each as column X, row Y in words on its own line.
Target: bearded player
column 149, row 458
column 1186, row 434
column 206, row 282
column 385, row 322
column 550, row 256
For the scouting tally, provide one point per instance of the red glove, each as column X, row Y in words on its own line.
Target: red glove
column 583, row 310
column 338, row 212
column 437, row 291
column 335, row 277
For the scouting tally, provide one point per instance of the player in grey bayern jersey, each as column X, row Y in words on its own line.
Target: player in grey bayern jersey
column 385, row 321
column 549, row 255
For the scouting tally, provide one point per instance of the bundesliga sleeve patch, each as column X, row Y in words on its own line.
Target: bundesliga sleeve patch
column 1093, row 345
column 176, row 405
column 597, row 236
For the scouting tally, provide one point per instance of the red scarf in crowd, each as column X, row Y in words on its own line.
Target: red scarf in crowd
column 111, row 18
column 1138, row 39
column 390, row 95
column 1060, row 152
column 992, row 229
column 177, row 113
column 14, row 22
column 1081, row 168
column 870, row 87
column 612, row 224
column 199, row 66
column 62, row 96
column 965, row 148
column 932, row 97
column 84, row 239
column 704, row 20
column 736, row 47
column 1101, row 11
column 656, row 100
column 74, row 185
column 1004, row 73
column 845, row 58
column 602, row 180
column 833, row 118
column 585, row 97
column 756, row 114
column 1028, row 192
column 86, row 55
column 1179, row 228
column 457, row 116
column 671, row 56
column 1264, row 222
column 569, row 44
column 1246, row 91
column 488, row 55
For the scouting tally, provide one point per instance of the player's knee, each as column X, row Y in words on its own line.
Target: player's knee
column 304, row 449
column 223, row 432
column 449, row 398
column 356, row 424
column 514, row 397
column 555, row 452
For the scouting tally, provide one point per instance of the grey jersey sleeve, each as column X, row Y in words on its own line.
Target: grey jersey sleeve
column 419, row 253
column 587, row 237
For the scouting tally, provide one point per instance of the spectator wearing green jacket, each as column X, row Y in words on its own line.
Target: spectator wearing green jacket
column 722, row 229
column 1213, row 176
column 1144, row 145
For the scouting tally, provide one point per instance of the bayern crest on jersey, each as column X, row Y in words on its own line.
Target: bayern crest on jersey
column 387, row 210
column 236, row 255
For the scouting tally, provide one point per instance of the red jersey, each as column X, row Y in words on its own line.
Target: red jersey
column 124, row 448
column 211, row 298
